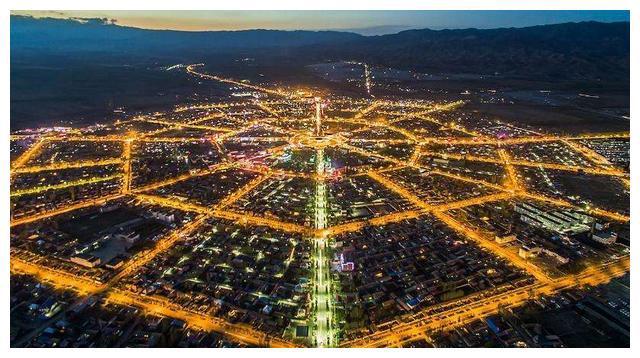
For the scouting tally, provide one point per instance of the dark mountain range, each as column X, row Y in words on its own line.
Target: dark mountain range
column 99, row 35
column 587, row 50
column 566, row 51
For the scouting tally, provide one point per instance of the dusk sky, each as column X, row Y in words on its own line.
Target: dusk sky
column 365, row 22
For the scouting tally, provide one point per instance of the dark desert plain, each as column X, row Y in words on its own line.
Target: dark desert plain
column 570, row 77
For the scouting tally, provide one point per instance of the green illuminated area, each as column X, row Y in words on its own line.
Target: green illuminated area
column 325, row 331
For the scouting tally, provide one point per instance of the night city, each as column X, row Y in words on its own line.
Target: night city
column 319, row 179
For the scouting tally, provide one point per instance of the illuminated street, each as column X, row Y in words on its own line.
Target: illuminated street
column 323, row 290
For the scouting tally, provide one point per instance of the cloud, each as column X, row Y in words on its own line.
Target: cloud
column 95, row 20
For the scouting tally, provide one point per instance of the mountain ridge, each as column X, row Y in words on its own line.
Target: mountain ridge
column 581, row 51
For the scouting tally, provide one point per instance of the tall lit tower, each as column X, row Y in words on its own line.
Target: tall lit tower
column 318, row 131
